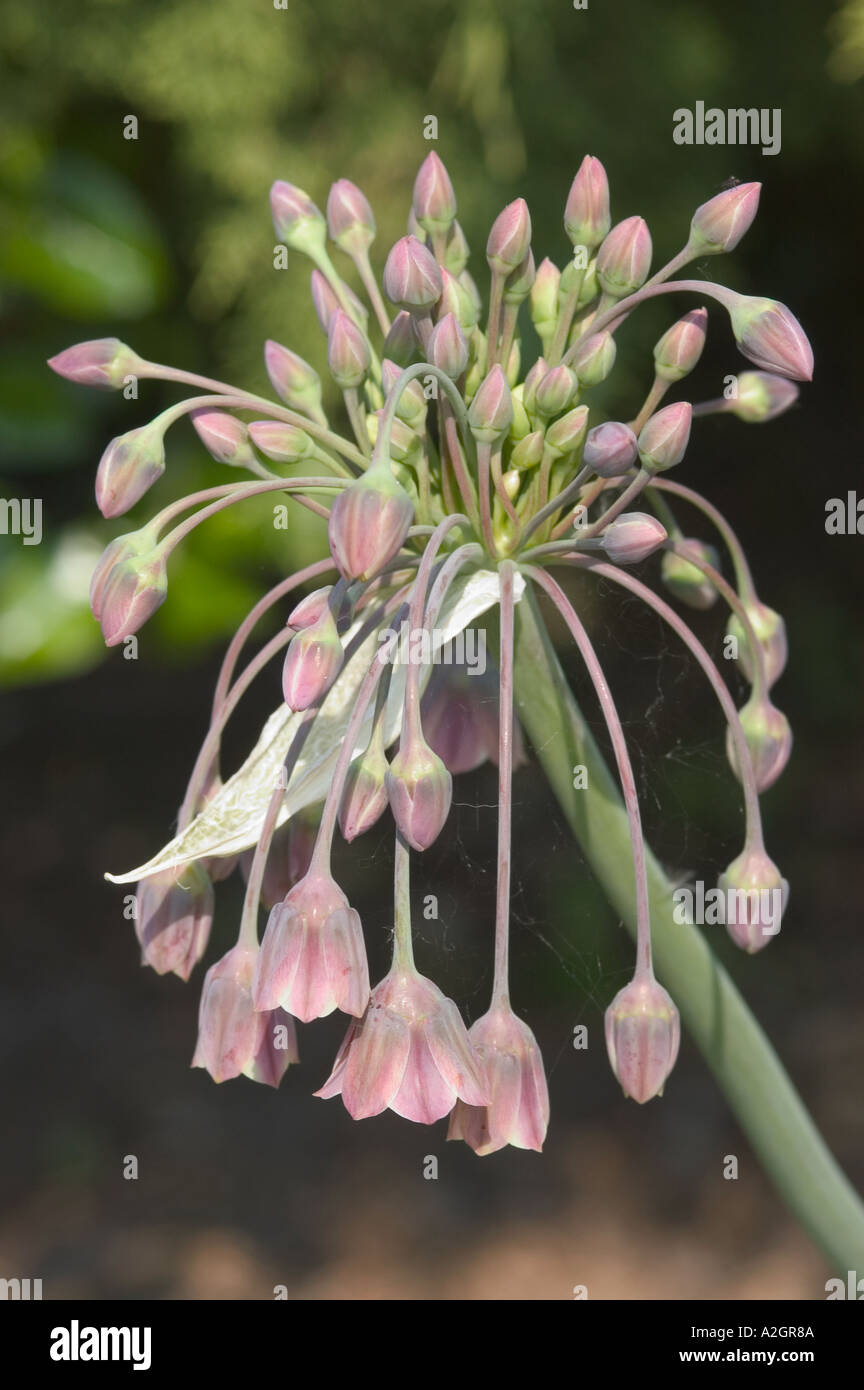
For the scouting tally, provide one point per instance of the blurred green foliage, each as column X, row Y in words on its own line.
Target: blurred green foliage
column 165, row 240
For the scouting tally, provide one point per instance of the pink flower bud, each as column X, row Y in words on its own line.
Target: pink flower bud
column 760, row 396
column 517, row 286
column 447, row 348
column 349, row 218
column 173, row 916
column 411, row 406
column 280, row 442
column 120, row 551
column 408, row 1053
column 555, row 391
column 364, row 800
column 567, row 434
column 369, row 522
column 411, row 275
column 420, row 790
column 348, row 354
column 770, row 632
column 770, row 336
column 719, row 224
column 594, row 360
column 101, row 362
column 624, row 259
column 610, row 449
column 460, row 718
column 400, row 345
column 234, row 1040
column 312, row 958
column 312, row 662
column 130, row 594
column 643, row 1031
column 297, row 220
column 224, row 437
column 510, row 238
column 755, row 897
column 664, row 438
column 491, row 411
column 532, row 380
column 457, row 250
column 678, row 351
column 632, row 537
column 293, row 380
column 311, row 609
column 129, row 467
column 544, row 297
column 769, row 739
column 511, row 1067
column 456, row 300
column 684, row 579
column 586, row 216
column 326, row 302
column 434, row 203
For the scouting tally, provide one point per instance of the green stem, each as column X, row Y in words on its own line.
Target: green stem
column 742, row 1059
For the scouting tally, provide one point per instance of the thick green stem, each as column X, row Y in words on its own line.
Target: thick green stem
column 742, row 1059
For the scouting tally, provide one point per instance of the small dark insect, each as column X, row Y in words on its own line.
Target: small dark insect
column 731, row 182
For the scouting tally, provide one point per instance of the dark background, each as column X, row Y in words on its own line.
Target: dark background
column 166, row 242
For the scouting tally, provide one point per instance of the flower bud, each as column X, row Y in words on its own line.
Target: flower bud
column 643, row 1032
column 719, row 224
column 555, row 391
column 531, row 382
column 760, row 396
column 101, row 362
column 298, row 222
column 491, row 411
column 326, row 301
column 234, row 1039
column 678, row 351
column 755, row 897
column 129, row 467
column 400, row 345
column 365, row 797
column 770, row 632
column 122, row 550
column 349, row 218
column 769, row 739
column 528, row 452
column 369, row 522
column 456, row 300
column 624, row 259
column 595, row 358
column 406, row 445
column 586, row 215
column 588, row 291
column 280, row 442
column 632, row 537
column 518, row 284
column 419, row 789
column 311, row 609
column 510, row 238
column 411, row 406
column 347, row 352
column 770, row 336
column 544, row 298
column 312, row 958
column 293, row 380
column 312, row 662
column 685, row 580
column 610, row 449
column 173, row 916
column 411, row 275
column 224, row 437
column 447, row 348
column 434, row 202
column 567, row 434
column 664, row 438
column 131, row 593
column 457, row 250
